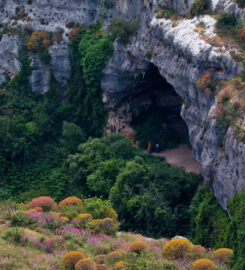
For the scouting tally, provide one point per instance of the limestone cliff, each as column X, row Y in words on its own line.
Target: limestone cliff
column 178, row 48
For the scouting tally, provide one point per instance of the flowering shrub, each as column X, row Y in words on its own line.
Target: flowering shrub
column 204, row 81
column 83, row 219
column 38, row 40
column 203, row 264
column 138, row 246
column 198, row 250
column 222, row 255
column 71, row 258
column 177, row 248
column 85, row 264
column 45, row 202
column 71, row 201
column 100, row 259
column 20, row 219
column 121, row 265
column 102, row 267
column 43, row 244
column 116, row 255
column 106, row 225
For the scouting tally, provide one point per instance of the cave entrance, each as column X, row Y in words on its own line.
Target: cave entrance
column 155, row 112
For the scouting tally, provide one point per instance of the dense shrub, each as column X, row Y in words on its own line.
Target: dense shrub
column 164, row 13
column 123, row 29
column 20, row 219
column 223, row 255
column 200, row 7
column 71, row 258
column 226, row 21
column 14, row 235
column 106, row 225
column 198, row 251
column 102, row 267
column 241, row 34
column 97, row 207
column 138, row 246
column 177, row 248
column 45, row 202
column 84, row 218
column 203, row 264
column 116, row 255
column 121, row 265
column 85, row 264
column 38, row 40
column 71, row 201
column 111, row 213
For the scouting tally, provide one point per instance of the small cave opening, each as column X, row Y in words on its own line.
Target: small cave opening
column 155, row 112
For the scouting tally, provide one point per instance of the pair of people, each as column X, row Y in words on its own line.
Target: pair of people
column 149, row 147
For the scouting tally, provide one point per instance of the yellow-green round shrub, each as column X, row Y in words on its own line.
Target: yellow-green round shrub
column 100, row 259
column 177, row 248
column 106, row 225
column 138, row 246
column 85, row 264
column 111, row 213
column 203, row 264
column 121, row 265
column 116, row 255
column 71, row 258
column 198, row 250
column 222, row 255
column 102, row 267
column 71, row 201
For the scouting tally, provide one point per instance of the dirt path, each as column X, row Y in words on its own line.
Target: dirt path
column 181, row 156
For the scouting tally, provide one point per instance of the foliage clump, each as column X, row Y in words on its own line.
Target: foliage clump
column 116, row 255
column 71, row 258
column 73, row 200
column 45, row 202
column 138, row 246
column 200, row 7
column 177, row 248
column 223, row 255
column 85, row 264
column 203, row 264
column 123, row 29
column 226, row 21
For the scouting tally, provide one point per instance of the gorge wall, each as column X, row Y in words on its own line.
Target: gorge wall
column 179, row 51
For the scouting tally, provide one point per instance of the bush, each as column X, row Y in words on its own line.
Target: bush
column 203, row 264
column 138, row 246
column 71, row 211
column 177, row 248
column 102, row 267
column 47, row 203
column 14, row 235
column 111, row 213
column 71, row 258
column 123, row 29
column 121, row 265
column 226, row 21
column 97, row 207
column 39, row 40
column 85, row 264
column 241, row 34
column 200, row 7
column 170, row 266
column 100, row 259
column 198, row 250
column 71, row 201
column 106, row 225
column 164, row 13
column 20, row 219
column 116, row 255
column 223, row 255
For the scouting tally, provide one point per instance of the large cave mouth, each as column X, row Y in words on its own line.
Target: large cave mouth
column 155, row 112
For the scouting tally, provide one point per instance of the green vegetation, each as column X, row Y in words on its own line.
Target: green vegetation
column 227, row 22
column 75, row 235
column 123, row 29
column 213, row 227
column 200, row 7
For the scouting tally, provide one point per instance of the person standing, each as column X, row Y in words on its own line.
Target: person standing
column 149, row 146
column 157, row 147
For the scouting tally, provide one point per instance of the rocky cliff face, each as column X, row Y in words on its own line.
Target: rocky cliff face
column 180, row 51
